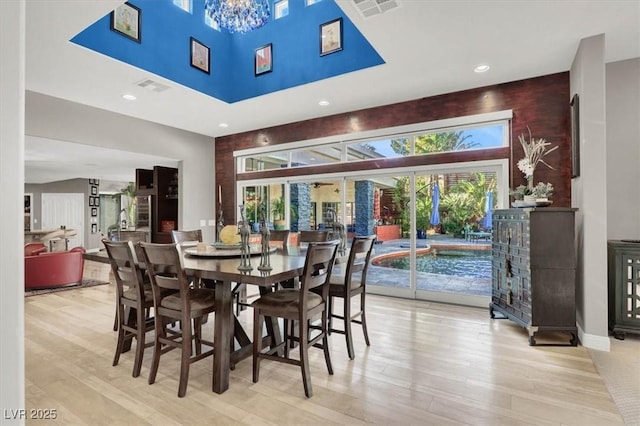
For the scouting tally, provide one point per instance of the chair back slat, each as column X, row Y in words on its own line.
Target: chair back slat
column 281, row 237
column 318, row 265
column 359, row 257
column 313, row 236
column 165, row 270
column 124, row 264
column 186, row 236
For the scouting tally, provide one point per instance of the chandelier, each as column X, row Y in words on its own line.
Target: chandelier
column 238, row 16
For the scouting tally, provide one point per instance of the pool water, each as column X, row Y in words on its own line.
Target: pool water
column 462, row 263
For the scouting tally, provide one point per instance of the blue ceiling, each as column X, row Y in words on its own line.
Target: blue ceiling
column 164, row 49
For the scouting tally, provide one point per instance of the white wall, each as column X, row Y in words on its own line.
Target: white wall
column 589, row 193
column 12, row 42
column 623, row 149
column 55, row 118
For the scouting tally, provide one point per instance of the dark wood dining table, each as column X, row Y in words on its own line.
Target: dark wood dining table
column 221, row 271
column 224, row 271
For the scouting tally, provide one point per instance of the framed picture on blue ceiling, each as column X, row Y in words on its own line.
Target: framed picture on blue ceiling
column 199, row 56
column 331, row 37
column 125, row 20
column 263, row 60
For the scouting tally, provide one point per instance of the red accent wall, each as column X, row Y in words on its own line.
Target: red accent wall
column 541, row 103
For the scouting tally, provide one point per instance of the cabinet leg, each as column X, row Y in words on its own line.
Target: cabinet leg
column 491, row 313
column 574, row 340
column 532, row 340
column 620, row 335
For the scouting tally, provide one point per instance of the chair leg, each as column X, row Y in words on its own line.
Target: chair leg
column 325, row 342
column 304, row 359
column 185, row 357
column 120, row 343
column 140, row 341
column 257, row 343
column 347, row 328
column 330, row 314
column 160, row 331
column 288, row 334
column 363, row 319
column 115, row 320
column 197, row 333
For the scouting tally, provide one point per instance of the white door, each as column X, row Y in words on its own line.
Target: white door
column 64, row 210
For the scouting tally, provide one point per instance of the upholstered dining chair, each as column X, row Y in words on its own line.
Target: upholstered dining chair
column 132, row 295
column 301, row 305
column 352, row 284
column 187, row 305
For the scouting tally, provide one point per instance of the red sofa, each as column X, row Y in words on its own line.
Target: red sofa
column 46, row 270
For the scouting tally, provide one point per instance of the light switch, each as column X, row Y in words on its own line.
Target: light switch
column 203, row 222
column 212, row 222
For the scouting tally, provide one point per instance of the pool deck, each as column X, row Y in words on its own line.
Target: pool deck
column 389, row 277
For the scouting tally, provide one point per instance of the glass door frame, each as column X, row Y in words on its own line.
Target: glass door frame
column 499, row 166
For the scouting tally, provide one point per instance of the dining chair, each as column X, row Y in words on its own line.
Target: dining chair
column 186, row 236
column 133, row 296
column 133, row 236
column 183, row 238
column 313, row 236
column 279, row 238
column 352, row 284
column 301, row 305
column 187, row 305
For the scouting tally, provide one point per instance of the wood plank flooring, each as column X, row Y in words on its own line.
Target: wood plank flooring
column 428, row 363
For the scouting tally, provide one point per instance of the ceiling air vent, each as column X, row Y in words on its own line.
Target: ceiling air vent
column 369, row 8
column 151, row 85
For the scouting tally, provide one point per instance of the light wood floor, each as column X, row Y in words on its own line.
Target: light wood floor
column 428, row 364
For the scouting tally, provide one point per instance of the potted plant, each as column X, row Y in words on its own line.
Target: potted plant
column 277, row 208
column 534, row 152
column 130, row 192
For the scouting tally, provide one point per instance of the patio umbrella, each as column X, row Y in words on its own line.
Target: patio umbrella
column 488, row 211
column 435, row 198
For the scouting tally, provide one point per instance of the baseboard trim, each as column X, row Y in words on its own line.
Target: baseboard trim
column 592, row 341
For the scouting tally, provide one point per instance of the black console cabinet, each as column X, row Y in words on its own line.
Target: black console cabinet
column 534, row 269
column 624, row 287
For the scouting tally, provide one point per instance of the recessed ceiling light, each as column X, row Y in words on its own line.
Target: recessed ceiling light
column 129, row 97
column 323, row 103
column 481, row 68
column 223, row 125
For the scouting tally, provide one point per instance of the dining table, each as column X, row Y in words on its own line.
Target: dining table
column 218, row 267
column 222, row 270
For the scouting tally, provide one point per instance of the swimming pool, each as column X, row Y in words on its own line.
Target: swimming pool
column 458, row 262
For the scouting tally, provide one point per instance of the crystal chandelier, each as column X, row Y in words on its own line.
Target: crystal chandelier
column 238, row 16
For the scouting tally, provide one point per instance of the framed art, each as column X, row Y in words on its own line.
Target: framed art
column 94, row 190
column 96, row 201
column 125, row 20
column 575, row 136
column 199, row 55
column 331, row 37
column 94, row 228
column 91, row 201
column 264, row 59
column 94, row 212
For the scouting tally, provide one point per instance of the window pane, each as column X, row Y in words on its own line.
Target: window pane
column 315, row 156
column 276, row 160
column 388, row 148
